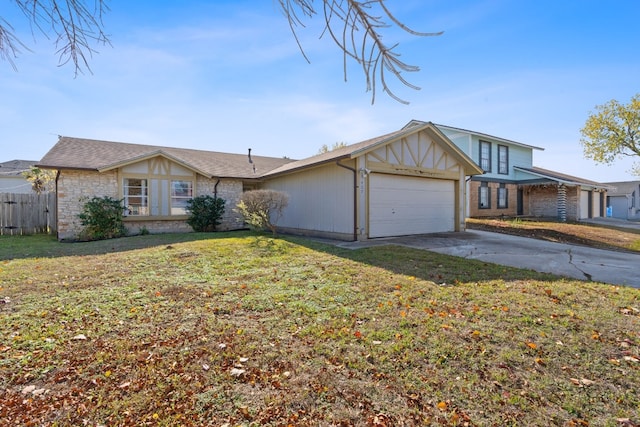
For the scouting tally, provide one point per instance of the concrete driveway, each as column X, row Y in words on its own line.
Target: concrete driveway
column 579, row 262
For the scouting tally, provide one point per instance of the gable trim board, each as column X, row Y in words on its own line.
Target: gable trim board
column 346, row 193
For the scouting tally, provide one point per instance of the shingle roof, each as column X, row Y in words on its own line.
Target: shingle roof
column 479, row 134
column 90, row 154
column 15, row 167
column 354, row 150
column 333, row 155
column 561, row 177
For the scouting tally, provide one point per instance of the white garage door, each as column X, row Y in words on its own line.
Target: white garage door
column 584, row 204
column 400, row 205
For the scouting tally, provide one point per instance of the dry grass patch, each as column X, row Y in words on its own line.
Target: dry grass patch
column 239, row 330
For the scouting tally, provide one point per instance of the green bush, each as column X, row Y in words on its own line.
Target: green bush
column 205, row 212
column 102, row 218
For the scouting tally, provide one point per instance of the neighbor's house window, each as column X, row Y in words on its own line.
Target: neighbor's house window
column 156, row 197
column 485, row 156
column 503, row 159
column 484, row 197
column 503, row 200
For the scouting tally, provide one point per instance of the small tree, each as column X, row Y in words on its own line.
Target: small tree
column 325, row 148
column 262, row 209
column 613, row 132
column 205, row 212
column 102, row 218
column 41, row 180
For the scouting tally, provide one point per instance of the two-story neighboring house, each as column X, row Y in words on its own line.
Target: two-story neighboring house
column 512, row 186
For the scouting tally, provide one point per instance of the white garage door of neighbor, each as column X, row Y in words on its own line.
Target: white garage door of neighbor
column 401, row 205
column 584, row 204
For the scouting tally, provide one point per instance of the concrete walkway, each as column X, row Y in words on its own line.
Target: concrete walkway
column 578, row 262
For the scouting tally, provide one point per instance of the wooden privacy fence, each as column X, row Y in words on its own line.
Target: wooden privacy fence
column 27, row 213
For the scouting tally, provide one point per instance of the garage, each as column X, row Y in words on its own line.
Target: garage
column 403, row 205
column 586, row 204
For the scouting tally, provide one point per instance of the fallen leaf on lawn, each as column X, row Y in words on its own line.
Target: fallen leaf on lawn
column 442, row 406
column 582, row 382
column 236, row 372
column 540, row 361
column 531, row 345
column 28, row 389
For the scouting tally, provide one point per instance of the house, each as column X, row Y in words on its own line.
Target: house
column 512, row 186
column 623, row 200
column 411, row 181
column 11, row 178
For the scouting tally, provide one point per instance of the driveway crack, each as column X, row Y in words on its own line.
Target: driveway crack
column 584, row 273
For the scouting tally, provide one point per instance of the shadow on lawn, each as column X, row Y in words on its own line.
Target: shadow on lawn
column 47, row 246
column 419, row 263
column 427, row 265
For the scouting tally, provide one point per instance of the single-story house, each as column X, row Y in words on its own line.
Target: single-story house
column 11, row 178
column 623, row 200
column 545, row 193
column 411, row 181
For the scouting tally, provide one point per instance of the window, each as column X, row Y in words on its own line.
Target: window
column 181, row 191
column 503, row 159
column 485, row 156
column 503, row 199
column 484, row 197
column 156, row 197
column 136, row 196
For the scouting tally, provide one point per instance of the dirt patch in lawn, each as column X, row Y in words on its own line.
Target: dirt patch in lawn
column 592, row 235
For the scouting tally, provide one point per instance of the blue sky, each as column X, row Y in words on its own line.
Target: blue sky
column 228, row 75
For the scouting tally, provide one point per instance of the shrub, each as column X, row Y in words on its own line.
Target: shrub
column 262, row 209
column 205, row 212
column 102, row 218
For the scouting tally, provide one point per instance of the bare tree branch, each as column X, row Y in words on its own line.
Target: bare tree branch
column 75, row 25
column 358, row 33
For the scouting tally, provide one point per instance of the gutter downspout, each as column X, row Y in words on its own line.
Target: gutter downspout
column 215, row 189
column 355, row 198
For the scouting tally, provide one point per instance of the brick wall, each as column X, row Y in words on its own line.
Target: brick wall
column 543, row 201
column 512, row 200
column 75, row 187
column 230, row 191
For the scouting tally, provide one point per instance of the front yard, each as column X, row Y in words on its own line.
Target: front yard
column 238, row 329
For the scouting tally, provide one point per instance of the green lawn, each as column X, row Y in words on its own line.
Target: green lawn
column 238, row 329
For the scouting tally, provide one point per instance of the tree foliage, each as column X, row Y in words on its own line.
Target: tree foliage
column 262, row 209
column 325, row 148
column 356, row 27
column 102, row 218
column 205, row 212
column 613, row 132
column 42, row 180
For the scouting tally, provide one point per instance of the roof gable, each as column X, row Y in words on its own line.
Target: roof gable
column 480, row 135
column 364, row 147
